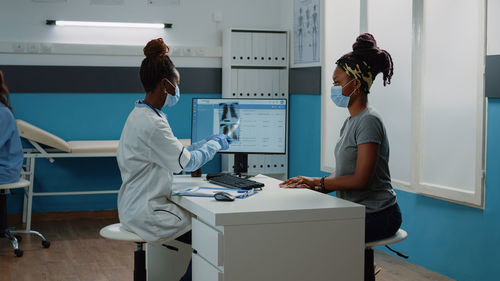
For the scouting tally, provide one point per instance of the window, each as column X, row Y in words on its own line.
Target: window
column 434, row 109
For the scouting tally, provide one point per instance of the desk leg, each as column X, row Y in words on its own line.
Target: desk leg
column 369, row 269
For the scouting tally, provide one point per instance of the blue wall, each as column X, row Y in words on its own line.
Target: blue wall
column 86, row 117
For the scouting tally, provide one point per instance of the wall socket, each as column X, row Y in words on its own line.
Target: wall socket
column 18, row 47
column 33, row 48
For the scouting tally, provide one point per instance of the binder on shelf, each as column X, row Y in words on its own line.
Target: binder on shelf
column 276, row 85
column 281, row 48
column 234, row 82
column 283, row 82
column 236, row 47
column 259, row 48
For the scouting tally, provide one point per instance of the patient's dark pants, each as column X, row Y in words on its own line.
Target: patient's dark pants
column 378, row 226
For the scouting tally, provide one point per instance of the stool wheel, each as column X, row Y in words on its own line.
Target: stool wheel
column 46, row 243
column 19, row 238
column 18, row 253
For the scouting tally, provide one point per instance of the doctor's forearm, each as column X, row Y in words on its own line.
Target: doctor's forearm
column 202, row 155
column 196, row 145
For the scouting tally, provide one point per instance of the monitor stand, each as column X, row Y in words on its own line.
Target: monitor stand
column 240, row 163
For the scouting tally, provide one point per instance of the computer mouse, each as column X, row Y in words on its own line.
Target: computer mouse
column 223, row 196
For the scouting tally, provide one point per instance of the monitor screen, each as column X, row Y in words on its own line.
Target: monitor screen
column 256, row 125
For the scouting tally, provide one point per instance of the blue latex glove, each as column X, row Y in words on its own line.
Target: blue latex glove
column 206, row 151
column 223, row 140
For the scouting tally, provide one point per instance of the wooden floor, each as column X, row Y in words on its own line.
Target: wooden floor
column 78, row 253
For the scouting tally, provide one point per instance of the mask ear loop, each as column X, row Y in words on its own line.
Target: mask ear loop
column 353, row 90
column 164, row 84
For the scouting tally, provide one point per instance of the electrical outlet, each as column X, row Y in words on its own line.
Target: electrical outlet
column 18, row 47
column 188, row 52
column 176, row 52
column 33, row 48
column 45, row 48
column 200, row 52
column 217, row 17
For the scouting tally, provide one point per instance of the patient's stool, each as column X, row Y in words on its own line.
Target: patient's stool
column 10, row 232
column 396, row 238
column 117, row 232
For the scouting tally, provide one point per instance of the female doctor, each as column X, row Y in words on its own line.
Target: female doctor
column 149, row 154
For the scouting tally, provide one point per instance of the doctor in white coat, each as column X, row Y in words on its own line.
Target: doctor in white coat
column 149, row 154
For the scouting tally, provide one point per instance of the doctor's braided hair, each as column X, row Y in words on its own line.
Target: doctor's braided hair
column 157, row 64
column 4, row 92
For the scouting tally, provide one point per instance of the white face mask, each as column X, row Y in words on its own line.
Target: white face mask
column 338, row 98
column 172, row 100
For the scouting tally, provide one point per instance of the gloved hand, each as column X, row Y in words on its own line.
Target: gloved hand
column 223, row 140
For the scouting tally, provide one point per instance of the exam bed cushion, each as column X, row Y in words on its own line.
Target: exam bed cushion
column 33, row 133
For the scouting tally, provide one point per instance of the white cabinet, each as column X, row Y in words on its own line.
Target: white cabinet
column 255, row 65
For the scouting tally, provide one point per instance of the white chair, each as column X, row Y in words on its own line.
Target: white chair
column 396, row 238
column 117, row 232
column 10, row 232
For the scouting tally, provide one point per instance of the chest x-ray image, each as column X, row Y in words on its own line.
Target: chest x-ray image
column 229, row 120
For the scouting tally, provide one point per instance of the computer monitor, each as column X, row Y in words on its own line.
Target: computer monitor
column 256, row 125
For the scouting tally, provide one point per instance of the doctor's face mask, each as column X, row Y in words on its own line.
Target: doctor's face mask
column 173, row 99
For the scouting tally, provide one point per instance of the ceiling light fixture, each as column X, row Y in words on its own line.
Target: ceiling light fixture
column 108, row 24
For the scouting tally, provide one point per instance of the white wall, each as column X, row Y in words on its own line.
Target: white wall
column 493, row 27
column 24, row 21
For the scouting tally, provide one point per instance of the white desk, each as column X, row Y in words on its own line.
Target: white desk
column 277, row 234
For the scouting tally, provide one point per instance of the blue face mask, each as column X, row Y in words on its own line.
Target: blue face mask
column 172, row 100
column 337, row 97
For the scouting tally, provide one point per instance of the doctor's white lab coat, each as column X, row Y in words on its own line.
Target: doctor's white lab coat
column 148, row 155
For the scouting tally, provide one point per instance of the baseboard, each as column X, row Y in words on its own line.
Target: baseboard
column 74, row 215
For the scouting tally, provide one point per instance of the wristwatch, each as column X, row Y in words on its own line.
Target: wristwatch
column 322, row 184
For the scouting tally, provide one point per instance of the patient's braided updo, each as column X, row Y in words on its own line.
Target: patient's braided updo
column 157, row 64
column 4, row 92
column 366, row 61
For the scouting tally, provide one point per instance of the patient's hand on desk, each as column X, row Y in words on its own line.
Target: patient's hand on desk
column 298, row 182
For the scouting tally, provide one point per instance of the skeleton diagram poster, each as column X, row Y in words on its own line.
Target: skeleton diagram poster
column 306, row 29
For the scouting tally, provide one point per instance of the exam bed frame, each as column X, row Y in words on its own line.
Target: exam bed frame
column 55, row 147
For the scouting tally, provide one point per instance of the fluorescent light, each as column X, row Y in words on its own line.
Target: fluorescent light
column 108, row 24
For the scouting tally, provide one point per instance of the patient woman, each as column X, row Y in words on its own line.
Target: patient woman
column 11, row 151
column 362, row 150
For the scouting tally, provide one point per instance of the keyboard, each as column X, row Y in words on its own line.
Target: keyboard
column 235, row 182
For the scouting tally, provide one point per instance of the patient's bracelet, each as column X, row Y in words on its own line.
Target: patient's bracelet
column 322, row 184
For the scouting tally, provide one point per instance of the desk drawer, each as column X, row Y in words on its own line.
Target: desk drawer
column 208, row 242
column 203, row 271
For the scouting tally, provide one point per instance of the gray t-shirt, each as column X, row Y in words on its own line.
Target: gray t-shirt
column 365, row 127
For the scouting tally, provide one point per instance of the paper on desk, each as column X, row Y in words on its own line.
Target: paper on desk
column 210, row 191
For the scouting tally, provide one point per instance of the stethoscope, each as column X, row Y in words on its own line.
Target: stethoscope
column 150, row 106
